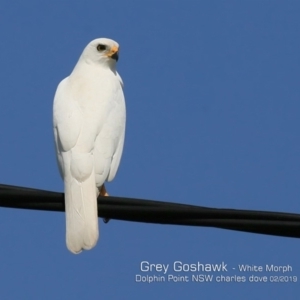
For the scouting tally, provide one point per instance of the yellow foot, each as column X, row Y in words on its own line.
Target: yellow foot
column 103, row 191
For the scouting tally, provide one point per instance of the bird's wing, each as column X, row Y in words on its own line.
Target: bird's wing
column 109, row 142
column 77, row 168
column 67, row 118
column 59, row 158
column 121, row 117
column 119, row 146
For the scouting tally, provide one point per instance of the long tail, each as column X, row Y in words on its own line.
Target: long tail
column 81, row 214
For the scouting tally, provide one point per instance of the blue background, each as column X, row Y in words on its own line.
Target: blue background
column 212, row 93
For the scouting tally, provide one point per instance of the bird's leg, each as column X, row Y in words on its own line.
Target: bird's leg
column 103, row 192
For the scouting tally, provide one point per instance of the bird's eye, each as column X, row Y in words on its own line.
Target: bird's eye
column 101, row 47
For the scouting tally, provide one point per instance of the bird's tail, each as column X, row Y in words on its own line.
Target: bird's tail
column 81, row 214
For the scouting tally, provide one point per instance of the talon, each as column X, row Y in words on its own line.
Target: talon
column 103, row 191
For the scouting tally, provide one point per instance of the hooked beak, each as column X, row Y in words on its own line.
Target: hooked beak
column 114, row 53
column 115, row 56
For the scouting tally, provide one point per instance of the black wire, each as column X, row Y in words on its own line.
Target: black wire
column 148, row 211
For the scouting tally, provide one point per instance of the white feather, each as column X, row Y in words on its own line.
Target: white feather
column 89, row 128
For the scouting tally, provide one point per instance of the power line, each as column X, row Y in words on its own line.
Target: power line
column 148, row 211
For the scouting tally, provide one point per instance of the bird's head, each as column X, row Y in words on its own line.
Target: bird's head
column 101, row 51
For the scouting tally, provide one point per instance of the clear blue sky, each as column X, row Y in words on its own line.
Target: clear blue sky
column 212, row 92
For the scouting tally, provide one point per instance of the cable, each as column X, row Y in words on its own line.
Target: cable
column 148, row 211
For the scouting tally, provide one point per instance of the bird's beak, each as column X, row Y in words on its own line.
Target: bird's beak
column 114, row 53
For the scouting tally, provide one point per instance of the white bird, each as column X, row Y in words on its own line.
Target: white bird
column 89, row 128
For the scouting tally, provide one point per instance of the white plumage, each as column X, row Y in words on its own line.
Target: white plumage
column 89, row 128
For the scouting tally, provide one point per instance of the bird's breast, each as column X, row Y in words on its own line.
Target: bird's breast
column 101, row 100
